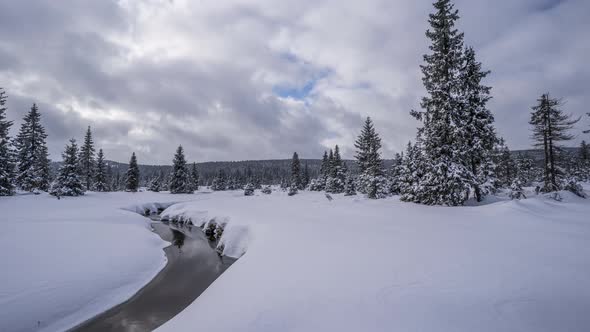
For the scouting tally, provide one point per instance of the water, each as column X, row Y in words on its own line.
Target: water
column 193, row 265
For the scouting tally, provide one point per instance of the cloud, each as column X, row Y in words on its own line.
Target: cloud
column 246, row 79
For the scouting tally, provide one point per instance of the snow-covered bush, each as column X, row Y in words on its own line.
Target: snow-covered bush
column 516, row 191
column 267, row 190
column 292, row 191
column 316, row 185
column 574, row 187
column 249, row 189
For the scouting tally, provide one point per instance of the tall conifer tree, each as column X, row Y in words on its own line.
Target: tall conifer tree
column 180, row 178
column 100, row 180
column 31, row 153
column 6, row 160
column 132, row 175
column 87, row 161
column 68, row 181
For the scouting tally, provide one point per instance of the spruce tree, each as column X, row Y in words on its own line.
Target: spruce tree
column 475, row 125
column 31, row 153
column 156, row 182
column 349, row 187
column 368, row 158
column 180, row 178
column 411, row 174
column 395, row 174
column 584, row 151
column 337, row 172
column 100, row 179
column 87, row 161
column 305, row 177
column 447, row 180
column 506, row 167
column 194, row 177
column 6, row 160
column 132, row 175
column 220, row 181
column 68, row 181
column 550, row 127
column 295, row 171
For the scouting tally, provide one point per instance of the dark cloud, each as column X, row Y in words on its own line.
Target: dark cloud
column 149, row 75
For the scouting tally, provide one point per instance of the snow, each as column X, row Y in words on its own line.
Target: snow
column 307, row 264
column 64, row 261
column 359, row 265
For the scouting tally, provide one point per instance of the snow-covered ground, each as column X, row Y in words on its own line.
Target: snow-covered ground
column 64, row 261
column 310, row 264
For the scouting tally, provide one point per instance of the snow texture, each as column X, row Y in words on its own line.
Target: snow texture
column 307, row 263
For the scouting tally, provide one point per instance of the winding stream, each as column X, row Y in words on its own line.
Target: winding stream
column 193, row 264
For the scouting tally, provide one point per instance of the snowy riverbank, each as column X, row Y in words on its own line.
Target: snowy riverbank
column 347, row 265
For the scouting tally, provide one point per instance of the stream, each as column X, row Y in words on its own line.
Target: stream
column 193, row 264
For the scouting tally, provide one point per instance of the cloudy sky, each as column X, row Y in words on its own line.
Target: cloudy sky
column 259, row 79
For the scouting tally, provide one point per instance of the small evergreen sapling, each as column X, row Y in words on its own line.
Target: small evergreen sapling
column 266, row 190
column 249, row 189
column 516, row 191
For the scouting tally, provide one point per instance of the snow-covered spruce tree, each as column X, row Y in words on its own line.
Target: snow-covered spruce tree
column 525, row 170
column 69, row 179
column 295, row 171
column 584, row 151
column 292, row 191
column 305, row 177
column 180, row 182
column 395, row 174
column 411, row 174
column 132, row 175
column 100, row 178
column 505, row 165
column 249, row 189
column 194, row 177
column 155, row 183
column 87, row 162
column 475, row 125
column 6, row 158
column 516, row 191
column 550, row 127
column 220, row 181
column 372, row 181
column 319, row 183
column 337, row 173
column 349, row 187
column 447, row 181
column 31, row 154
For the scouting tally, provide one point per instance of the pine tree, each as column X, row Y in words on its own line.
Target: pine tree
column 180, row 179
column 447, row 180
column 305, row 177
column 550, row 126
column 395, row 174
column 132, row 175
column 100, row 179
column 295, row 171
column 156, row 182
column 337, row 172
column 6, row 162
column 220, row 181
column 584, row 151
column 349, row 188
column 525, row 170
column 411, row 174
column 506, row 168
column 475, row 125
column 87, row 162
column 69, row 182
column 194, row 177
column 31, row 153
column 249, row 189
column 371, row 179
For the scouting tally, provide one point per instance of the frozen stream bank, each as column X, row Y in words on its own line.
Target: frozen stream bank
column 192, row 266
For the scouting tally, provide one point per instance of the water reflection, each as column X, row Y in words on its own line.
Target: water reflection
column 178, row 239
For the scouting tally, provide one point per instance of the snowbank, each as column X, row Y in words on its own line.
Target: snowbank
column 64, row 261
column 359, row 265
